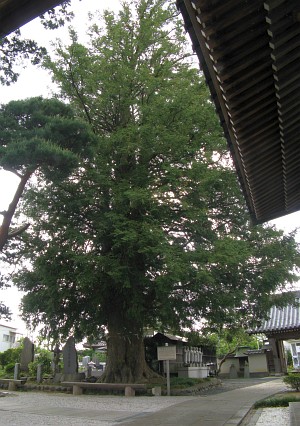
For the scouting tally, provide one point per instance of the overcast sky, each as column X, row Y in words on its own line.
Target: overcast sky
column 34, row 81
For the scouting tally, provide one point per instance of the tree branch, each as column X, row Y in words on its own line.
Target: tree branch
column 8, row 215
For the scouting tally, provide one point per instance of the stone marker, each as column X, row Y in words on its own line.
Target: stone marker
column 17, row 371
column 70, row 357
column 39, row 373
column 85, row 361
column 156, row 391
column 27, row 354
column 70, row 371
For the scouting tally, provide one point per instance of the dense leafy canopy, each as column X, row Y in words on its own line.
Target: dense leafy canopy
column 37, row 137
column 151, row 229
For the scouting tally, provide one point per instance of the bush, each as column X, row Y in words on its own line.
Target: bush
column 10, row 368
column 276, row 402
column 185, row 382
column 42, row 357
column 10, row 356
column 293, row 380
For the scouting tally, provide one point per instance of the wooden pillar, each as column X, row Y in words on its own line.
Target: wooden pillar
column 276, row 355
column 282, row 356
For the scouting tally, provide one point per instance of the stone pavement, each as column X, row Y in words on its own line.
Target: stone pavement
column 219, row 409
column 226, row 406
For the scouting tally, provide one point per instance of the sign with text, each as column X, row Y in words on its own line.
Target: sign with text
column 165, row 353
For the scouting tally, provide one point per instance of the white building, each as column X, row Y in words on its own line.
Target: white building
column 8, row 337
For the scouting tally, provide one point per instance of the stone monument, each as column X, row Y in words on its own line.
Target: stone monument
column 27, row 354
column 70, row 371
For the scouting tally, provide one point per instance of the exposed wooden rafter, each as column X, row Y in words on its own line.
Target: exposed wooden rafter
column 249, row 51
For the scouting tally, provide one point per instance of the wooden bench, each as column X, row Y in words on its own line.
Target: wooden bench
column 128, row 388
column 13, row 384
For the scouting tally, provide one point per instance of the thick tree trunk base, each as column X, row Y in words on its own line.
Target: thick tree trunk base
column 126, row 360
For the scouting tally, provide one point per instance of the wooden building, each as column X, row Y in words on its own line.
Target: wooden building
column 283, row 325
column 249, row 51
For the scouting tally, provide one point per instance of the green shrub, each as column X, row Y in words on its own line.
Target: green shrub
column 42, row 357
column 11, row 355
column 9, row 368
column 293, row 380
column 185, row 382
column 276, row 402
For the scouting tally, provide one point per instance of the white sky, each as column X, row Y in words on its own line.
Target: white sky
column 34, row 81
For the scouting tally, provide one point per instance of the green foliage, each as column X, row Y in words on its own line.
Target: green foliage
column 282, row 401
column 42, row 356
column 197, row 339
column 42, row 134
column 14, row 50
column 293, row 380
column 152, row 228
column 185, row 382
column 9, row 368
column 10, row 356
column 228, row 340
column 92, row 354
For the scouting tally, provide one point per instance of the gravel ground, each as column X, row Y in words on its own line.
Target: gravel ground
column 270, row 416
column 22, row 409
column 51, row 409
column 274, row 417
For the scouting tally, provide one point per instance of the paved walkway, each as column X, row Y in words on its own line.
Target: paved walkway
column 225, row 408
column 214, row 408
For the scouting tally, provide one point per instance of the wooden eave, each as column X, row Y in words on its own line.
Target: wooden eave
column 15, row 13
column 249, row 51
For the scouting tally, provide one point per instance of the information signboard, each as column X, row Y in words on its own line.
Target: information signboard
column 165, row 353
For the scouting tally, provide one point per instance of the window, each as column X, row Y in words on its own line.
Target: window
column 5, row 338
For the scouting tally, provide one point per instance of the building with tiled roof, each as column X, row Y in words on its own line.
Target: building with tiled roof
column 283, row 324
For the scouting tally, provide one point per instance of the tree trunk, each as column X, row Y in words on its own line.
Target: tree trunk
column 126, row 359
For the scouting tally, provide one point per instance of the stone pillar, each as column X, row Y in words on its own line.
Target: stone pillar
column 185, row 349
column 88, row 371
column 156, row 391
column 17, row 371
column 77, row 390
column 39, row 373
column 12, row 386
column 129, row 391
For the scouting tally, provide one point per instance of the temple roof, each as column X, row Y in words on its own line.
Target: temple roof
column 15, row 13
column 281, row 319
column 249, row 51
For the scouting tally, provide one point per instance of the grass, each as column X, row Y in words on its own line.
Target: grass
column 279, row 400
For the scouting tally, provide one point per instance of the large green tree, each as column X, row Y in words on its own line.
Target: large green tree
column 151, row 229
column 38, row 137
